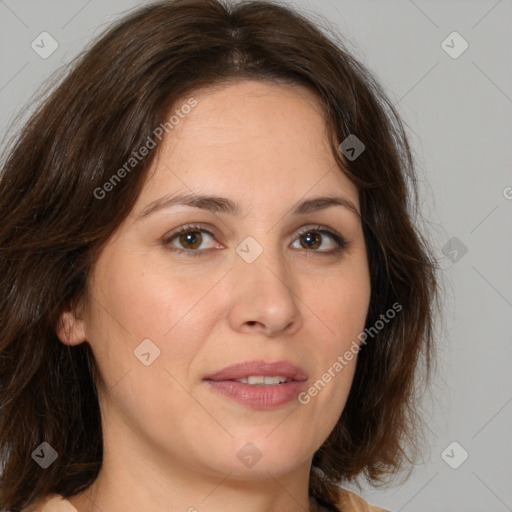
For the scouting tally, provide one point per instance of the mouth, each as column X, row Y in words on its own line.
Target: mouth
column 263, row 380
column 260, row 373
column 259, row 384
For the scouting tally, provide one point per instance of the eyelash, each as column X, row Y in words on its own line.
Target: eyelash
column 341, row 242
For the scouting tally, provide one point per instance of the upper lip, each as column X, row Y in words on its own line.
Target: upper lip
column 265, row 368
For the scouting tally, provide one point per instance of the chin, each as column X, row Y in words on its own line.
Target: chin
column 257, row 458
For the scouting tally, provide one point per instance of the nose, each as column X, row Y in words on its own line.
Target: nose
column 264, row 298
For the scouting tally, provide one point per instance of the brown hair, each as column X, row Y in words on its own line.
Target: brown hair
column 53, row 227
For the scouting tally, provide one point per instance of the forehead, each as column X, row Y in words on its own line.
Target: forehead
column 251, row 137
column 260, row 110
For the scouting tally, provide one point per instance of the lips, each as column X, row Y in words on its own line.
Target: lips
column 259, row 368
column 259, row 395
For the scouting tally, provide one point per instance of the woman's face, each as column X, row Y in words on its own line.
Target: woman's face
column 168, row 311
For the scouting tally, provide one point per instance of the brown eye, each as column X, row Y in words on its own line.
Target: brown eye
column 312, row 240
column 191, row 239
column 316, row 239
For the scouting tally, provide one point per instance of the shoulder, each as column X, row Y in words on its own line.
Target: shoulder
column 351, row 502
column 52, row 503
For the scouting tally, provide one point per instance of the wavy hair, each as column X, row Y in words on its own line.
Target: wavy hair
column 105, row 107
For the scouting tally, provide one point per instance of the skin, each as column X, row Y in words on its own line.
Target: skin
column 171, row 442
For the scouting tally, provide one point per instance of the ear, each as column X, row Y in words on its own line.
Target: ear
column 70, row 328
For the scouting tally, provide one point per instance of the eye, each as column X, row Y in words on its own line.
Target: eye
column 313, row 238
column 189, row 239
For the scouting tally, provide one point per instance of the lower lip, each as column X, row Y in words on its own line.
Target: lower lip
column 259, row 397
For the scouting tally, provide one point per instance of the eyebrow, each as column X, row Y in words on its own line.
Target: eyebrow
column 217, row 204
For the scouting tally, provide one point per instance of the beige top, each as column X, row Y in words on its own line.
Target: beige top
column 347, row 502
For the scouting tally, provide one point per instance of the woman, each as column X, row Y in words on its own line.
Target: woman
column 214, row 295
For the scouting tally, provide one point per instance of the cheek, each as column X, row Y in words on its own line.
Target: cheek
column 136, row 298
column 342, row 302
column 338, row 310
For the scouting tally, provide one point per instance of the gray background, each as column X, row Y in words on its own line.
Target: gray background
column 458, row 111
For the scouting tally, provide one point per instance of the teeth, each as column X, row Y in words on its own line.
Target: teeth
column 256, row 380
